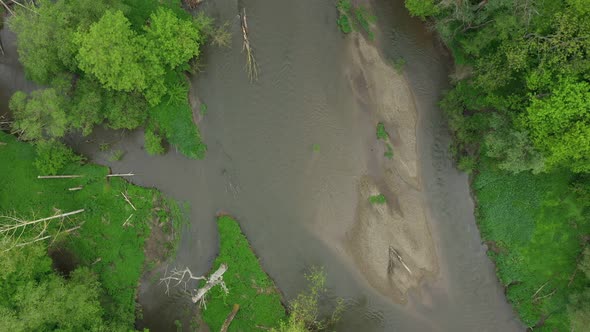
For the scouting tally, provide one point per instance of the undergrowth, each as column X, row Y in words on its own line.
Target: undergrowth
column 536, row 225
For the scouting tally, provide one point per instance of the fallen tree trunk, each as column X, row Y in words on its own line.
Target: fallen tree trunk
column 229, row 318
column 215, row 279
column 59, row 176
column 119, row 175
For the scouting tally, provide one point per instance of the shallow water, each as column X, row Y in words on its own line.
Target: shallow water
column 262, row 169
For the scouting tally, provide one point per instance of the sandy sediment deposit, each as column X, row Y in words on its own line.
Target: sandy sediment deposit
column 390, row 243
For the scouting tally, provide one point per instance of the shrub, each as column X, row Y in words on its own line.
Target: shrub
column 422, row 8
column 304, row 313
column 344, row 23
column 378, row 199
column 52, row 156
column 389, row 153
column 381, row 132
column 116, row 155
column 153, row 143
column 467, row 164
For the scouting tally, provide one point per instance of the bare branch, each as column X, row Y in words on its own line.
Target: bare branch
column 251, row 64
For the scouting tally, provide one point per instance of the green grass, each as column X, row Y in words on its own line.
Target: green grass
column 389, row 152
column 249, row 286
column 315, row 147
column 174, row 118
column 381, row 132
column 378, row 199
column 363, row 20
column 115, row 253
column 537, row 224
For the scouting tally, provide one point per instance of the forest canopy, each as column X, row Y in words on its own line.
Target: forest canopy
column 522, row 83
column 105, row 61
column 526, row 62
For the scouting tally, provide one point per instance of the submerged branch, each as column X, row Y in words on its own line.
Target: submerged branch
column 251, row 65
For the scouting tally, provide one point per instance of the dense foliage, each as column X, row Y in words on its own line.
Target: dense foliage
column 33, row 297
column 525, row 63
column 522, row 83
column 116, row 62
column 98, row 265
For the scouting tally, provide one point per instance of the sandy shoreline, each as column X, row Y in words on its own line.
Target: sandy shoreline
column 390, row 244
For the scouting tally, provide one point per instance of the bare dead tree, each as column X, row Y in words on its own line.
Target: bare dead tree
column 177, row 277
column 5, row 5
column 21, row 232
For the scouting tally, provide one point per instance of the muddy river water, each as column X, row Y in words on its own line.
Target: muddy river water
column 302, row 206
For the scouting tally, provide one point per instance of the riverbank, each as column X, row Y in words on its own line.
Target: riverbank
column 109, row 210
column 531, row 204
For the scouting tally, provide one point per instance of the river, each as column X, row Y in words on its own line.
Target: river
column 297, row 206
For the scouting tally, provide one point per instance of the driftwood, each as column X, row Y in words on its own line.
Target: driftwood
column 126, row 223
column 251, row 65
column 7, row 8
column 229, row 318
column 59, row 176
column 394, row 253
column 79, row 176
column 177, row 277
column 119, row 175
column 128, row 201
column 75, row 188
column 538, row 290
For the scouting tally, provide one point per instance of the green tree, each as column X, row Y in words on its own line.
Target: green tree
column 52, row 156
column 422, row 8
column 175, row 41
column 513, row 149
column 560, row 125
column 45, row 35
column 34, row 298
column 39, row 115
column 125, row 110
column 112, row 52
column 87, row 106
